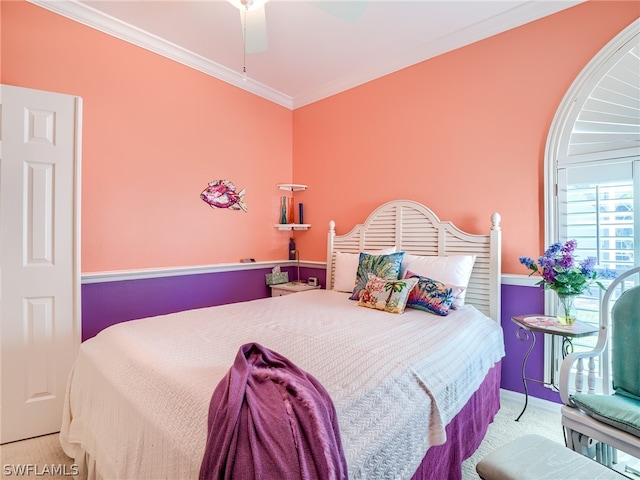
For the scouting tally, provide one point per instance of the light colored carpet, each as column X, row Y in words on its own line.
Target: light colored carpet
column 35, row 458
column 541, row 417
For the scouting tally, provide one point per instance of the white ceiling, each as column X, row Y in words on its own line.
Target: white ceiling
column 315, row 49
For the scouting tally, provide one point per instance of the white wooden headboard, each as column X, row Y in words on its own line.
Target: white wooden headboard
column 416, row 230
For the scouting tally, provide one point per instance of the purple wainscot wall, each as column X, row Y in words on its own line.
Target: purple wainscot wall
column 518, row 300
column 108, row 303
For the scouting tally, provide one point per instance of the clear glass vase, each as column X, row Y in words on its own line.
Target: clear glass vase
column 567, row 313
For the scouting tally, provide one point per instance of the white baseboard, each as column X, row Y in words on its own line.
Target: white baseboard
column 518, row 397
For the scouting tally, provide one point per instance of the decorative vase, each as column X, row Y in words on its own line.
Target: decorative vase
column 292, row 249
column 290, row 210
column 283, row 211
column 567, row 313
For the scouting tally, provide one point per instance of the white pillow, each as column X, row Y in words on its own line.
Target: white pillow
column 451, row 270
column 345, row 268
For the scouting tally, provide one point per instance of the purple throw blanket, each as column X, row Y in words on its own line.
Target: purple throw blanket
column 268, row 419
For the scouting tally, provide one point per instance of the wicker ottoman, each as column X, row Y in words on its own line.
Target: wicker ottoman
column 533, row 457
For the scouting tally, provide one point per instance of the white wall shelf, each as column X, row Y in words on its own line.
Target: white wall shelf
column 292, row 226
column 291, row 187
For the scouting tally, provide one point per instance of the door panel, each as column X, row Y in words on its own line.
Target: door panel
column 39, row 259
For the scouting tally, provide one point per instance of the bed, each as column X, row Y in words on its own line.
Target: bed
column 414, row 392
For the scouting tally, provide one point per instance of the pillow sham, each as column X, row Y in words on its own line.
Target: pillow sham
column 451, row 270
column 431, row 295
column 345, row 268
column 387, row 295
column 386, row 267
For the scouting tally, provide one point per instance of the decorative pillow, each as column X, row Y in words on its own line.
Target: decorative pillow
column 382, row 266
column 431, row 295
column 345, row 268
column 451, row 270
column 388, row 295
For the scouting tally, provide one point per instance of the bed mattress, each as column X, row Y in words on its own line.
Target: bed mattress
column 138, row 396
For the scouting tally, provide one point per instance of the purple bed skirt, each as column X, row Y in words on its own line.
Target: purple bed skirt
column 464, row 433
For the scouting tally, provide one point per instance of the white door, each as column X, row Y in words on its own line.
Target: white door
column 39, row 257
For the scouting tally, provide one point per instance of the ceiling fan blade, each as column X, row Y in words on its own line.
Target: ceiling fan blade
column 255, row 29
column 350, row 12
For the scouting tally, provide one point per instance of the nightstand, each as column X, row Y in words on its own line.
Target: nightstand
column 289, row 288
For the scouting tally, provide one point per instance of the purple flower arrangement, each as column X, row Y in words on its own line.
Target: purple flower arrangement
column 562, row 273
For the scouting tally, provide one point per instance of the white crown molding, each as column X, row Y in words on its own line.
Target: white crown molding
column 514, row 17
column 86, row 15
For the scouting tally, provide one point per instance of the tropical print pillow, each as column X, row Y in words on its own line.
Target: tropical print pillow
column 388, row 295
column 431, row 295
column 386, row 267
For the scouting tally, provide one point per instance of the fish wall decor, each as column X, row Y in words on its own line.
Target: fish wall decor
column 222, row 194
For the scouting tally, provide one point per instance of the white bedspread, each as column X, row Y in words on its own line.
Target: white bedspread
column 139, row 394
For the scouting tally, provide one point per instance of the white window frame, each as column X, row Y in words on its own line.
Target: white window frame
column 556, row 153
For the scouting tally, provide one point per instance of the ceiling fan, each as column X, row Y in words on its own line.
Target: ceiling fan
column 254, row 24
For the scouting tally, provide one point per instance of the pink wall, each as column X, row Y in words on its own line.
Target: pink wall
column 155, row 133
column 463, row 133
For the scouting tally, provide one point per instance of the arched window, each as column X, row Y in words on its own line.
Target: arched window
column 592, row 167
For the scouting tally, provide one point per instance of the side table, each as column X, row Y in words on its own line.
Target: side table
column 529, row 324
column 289, row 288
